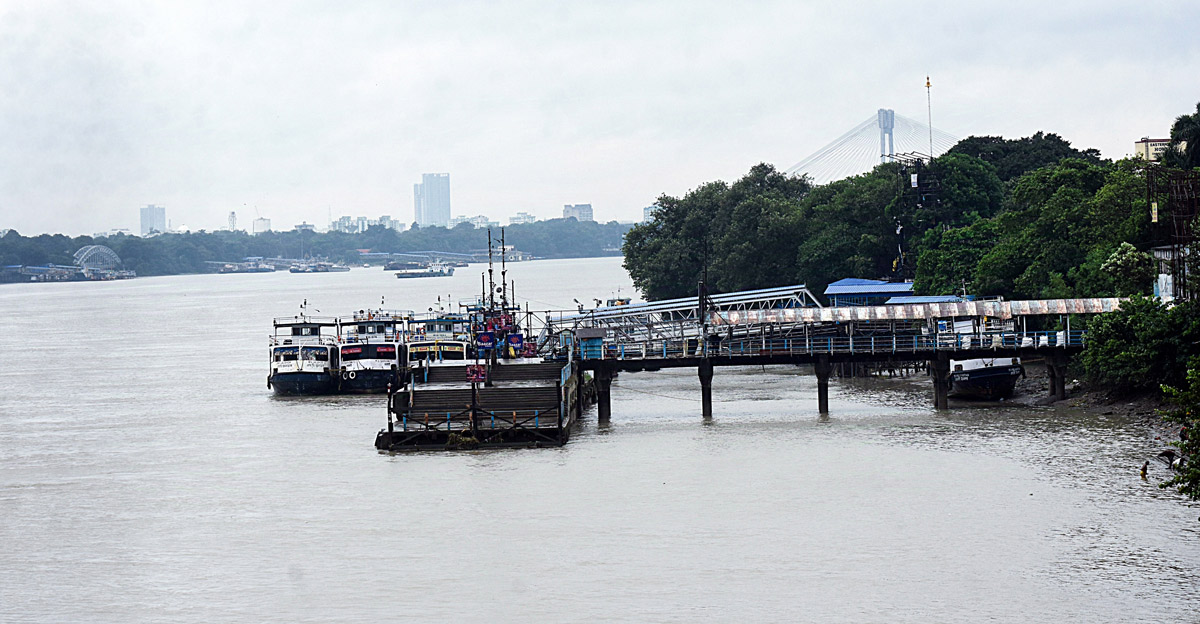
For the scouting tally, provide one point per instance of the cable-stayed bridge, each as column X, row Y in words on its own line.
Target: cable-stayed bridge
column 876, row 140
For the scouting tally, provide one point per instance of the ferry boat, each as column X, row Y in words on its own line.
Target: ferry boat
column 435, row 269
column 372, row 350
column 303, row 356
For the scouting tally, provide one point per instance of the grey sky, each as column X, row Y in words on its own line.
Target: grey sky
column 299, row 108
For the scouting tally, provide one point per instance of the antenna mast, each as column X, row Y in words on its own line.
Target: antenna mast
column 929, row 111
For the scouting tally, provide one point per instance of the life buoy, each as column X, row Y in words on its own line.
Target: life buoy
column 352, row 375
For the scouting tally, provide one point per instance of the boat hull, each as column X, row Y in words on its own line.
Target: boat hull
column 300, row 384
column 368, row 381
column 990, row 382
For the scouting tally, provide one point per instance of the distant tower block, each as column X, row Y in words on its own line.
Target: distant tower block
column 887, row 144
column 232, row 221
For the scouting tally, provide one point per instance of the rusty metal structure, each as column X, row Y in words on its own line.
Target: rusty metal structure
column 1174, row 198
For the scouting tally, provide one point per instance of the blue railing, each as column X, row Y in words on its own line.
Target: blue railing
column 819, row 345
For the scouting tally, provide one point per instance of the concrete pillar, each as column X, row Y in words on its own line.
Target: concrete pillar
column 578, row 393
column 603, row 394
column 705, row 370
column 822, row 367
column 940, row 369
column 1056, row 367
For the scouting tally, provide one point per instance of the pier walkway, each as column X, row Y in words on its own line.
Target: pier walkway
column 785, row 326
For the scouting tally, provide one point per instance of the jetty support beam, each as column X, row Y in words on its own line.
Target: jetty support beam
column 705, row 370
column 823, row 368
column 940, row 369
column 1056, row 367
column 604, row 378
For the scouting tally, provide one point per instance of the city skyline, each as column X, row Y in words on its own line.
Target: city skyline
column 111, row 107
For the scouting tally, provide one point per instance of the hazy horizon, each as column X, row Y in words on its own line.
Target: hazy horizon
column 302, row 111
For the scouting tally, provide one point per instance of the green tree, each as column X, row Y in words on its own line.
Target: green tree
column 1185, row 400
column 1184, row 149
column 1131, row 271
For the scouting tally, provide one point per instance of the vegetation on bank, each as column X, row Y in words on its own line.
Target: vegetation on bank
column 1185, row 412
column 170, row 254
column 1025, row 218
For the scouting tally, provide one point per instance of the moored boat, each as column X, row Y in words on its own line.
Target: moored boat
column 371, row 350
column 303, row 354
column 985, row 378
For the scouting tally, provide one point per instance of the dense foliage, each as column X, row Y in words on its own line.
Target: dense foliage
column 1184, row 149
column 1185, row 400
column 1143, row 345
column 1026, row 218
column 170, row 254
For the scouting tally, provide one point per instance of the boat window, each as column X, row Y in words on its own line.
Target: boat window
column 286, row 355
column 351, row 353
column 306, row 331
column 314, row 353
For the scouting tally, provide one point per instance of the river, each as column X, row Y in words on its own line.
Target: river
column 148, row 475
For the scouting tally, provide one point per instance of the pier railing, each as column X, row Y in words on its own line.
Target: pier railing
column 820, row 345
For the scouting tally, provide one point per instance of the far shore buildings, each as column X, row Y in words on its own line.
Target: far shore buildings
column 522, row 217
column 260, row 226
column 479, row 222
column 154, row 219
column 581, row 212
column 431, row 200
column 648, row 212
column 357, row 225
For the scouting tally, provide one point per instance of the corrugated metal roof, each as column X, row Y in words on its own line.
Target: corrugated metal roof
column 924, row 299
column 876, row 288
column 690, row 303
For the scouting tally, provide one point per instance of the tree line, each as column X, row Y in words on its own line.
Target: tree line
column 171, row 254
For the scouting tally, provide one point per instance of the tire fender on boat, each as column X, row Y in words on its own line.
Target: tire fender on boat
column 352, row 375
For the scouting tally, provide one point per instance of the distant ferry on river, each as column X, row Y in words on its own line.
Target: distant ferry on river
column 317, row 267
column 435, row 269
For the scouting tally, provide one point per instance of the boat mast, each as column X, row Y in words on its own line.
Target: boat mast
column 491, row 298
column 503, row 275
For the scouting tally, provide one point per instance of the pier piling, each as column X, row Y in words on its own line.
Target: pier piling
column 940, row 369
column 604, row 394
column 705, row 371
column 823, row 368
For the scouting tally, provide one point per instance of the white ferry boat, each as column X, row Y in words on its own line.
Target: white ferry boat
column 372, row 350
column 303, row 356
column 435, row 269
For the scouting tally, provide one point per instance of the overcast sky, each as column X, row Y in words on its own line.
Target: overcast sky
column 295, row 110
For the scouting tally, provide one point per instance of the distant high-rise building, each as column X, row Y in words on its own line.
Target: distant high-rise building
column 581, row 212
column 648, row 212
column 232, row 221
column 431, row 199
column 521, row 217
column 154, row 219
column 261, row 225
